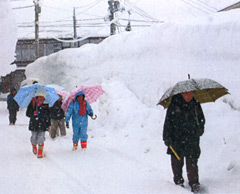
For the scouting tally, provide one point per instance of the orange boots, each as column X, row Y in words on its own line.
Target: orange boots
column 40, row 151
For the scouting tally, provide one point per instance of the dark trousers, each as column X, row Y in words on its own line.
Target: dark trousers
column 192, row 170
column 12, row 116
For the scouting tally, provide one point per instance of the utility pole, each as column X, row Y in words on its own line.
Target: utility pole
column 37, row 11
column 129, row 28
column 114, row 6
column 74, row 27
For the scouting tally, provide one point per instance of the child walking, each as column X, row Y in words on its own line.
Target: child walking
column 57, row 115
column 39, row 123
column 79, row 111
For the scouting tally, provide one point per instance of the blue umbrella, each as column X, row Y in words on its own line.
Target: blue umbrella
column 25, row 95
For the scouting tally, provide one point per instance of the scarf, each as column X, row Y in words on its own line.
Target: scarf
column 82, row 108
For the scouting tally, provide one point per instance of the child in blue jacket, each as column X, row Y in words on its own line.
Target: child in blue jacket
column 79, row 111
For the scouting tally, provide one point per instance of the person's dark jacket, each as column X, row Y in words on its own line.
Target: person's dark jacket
column 184, row 124
column 11, row 103
column 56, row 112
column 40, row 121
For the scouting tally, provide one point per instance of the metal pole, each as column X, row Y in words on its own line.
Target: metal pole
column 37, row 11
column 111, row 17
column 74, row 27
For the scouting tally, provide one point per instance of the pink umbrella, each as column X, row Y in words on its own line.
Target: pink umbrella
column 92, row 93
column 64, row 94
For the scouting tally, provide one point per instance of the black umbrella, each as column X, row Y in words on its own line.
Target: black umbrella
column 205, row 90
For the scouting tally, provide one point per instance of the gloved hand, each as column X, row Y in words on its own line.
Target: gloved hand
column 36, row 113
column 168, row 142
column 67, row 124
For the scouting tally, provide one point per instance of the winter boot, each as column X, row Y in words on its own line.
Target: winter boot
column 34, row 149
column 84, row 144
column 40, row 151
column 75, row 146
column 195, row 188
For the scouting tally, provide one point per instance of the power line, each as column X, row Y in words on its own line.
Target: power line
column 79, row 7
column 23, row 7
column 89, row 7
column 139, row 11
column 195, row 7
column 203, row 6
column 184, row 10
column 18, row 0
column 207, row 5
column 86, row 23
column 133, row 20
column 68, row 10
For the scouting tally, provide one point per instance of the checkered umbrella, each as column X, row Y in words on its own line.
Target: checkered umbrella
column 92, row 93
column 204, row 90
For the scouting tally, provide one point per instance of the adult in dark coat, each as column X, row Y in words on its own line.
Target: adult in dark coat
column 12, row 106
column 184, row 124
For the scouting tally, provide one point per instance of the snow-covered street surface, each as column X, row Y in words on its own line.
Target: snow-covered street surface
column 131, row 160
column 101, row 169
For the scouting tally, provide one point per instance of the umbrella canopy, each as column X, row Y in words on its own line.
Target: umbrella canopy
column 60, row 90
column 25, row 95
column 204, row 90
column 92, row 93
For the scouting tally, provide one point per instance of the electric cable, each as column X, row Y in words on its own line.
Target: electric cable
column 139, row 11
column 23, row 7
column 203, row 6
column 207, row 5
column 195, row 7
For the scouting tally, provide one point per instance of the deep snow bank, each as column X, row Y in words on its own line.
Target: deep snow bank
column 149, row 61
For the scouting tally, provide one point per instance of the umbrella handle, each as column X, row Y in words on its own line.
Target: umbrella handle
column 175, row 153
column 94, row 118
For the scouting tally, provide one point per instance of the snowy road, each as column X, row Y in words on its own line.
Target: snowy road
column 114, row 162
column 101, row 169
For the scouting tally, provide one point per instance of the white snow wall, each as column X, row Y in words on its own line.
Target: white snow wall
column 150, row 61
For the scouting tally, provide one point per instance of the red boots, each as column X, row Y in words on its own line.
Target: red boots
column 83, row 145
column 40, row 151
column 75, row 146
column 34, row 149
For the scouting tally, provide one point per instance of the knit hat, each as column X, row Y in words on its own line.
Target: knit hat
column 41, row 92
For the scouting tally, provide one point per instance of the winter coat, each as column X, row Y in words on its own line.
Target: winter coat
column 56, row 112
column 184, row 124
column 73, row 110
column 11, row 103
column 41, row 121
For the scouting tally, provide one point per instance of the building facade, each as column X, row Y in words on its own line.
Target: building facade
column 25, row 54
